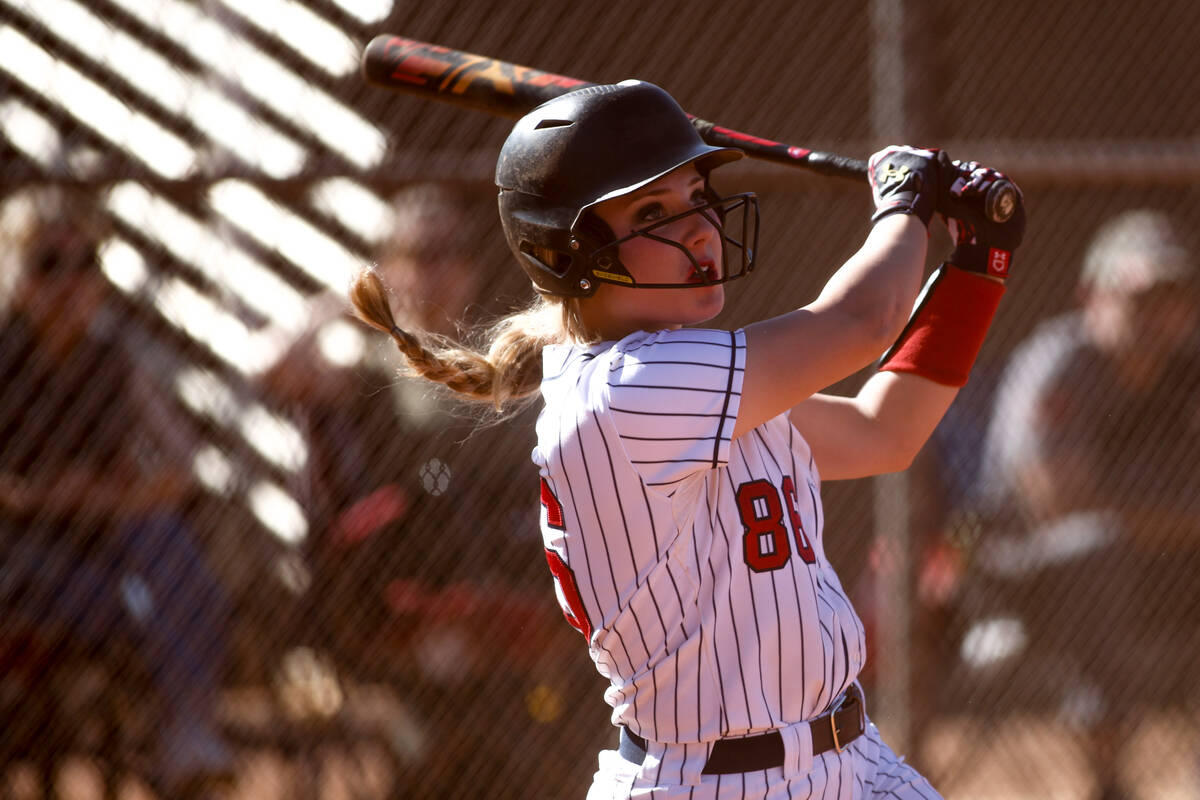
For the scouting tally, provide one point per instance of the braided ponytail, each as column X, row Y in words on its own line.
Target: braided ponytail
column 510, row 370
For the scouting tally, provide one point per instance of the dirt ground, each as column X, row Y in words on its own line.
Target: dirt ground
column 1031, row 757
column 1022, row 757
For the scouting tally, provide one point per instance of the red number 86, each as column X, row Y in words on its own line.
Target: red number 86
column 765, row 543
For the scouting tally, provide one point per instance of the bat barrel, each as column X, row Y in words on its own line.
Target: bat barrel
column 460, row 78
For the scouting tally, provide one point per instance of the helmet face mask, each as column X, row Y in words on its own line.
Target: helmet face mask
column 736, row 220
column 584, row 147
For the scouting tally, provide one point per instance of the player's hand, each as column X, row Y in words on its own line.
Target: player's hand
column 905, row 180
column 981, row 245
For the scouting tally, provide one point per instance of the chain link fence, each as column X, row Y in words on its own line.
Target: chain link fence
column 236, row 544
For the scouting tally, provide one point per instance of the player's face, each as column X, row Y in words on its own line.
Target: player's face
column 650, row 261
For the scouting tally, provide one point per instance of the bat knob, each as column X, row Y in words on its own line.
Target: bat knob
column 1001, row 201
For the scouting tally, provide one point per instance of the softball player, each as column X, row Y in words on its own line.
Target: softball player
column 681, row 467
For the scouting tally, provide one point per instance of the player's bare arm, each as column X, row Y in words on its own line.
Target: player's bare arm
column 886, row 424
column 862, row 308
column 879, row 430
column 858, row 314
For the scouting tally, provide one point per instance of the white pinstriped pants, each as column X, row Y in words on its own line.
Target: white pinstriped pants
column 866, row 768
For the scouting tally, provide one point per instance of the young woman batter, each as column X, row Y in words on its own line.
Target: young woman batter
column 681, row 466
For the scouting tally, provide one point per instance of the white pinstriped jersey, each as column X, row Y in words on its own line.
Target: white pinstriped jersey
column 693, row 563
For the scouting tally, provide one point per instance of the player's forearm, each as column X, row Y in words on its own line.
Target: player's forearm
column 878, row 285
column 878, row 431
column 906, row 409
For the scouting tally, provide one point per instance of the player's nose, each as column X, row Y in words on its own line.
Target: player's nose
column 700, row 228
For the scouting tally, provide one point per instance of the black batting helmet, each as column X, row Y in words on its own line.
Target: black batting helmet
column 582, row 148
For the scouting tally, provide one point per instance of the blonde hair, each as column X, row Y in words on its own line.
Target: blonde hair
column 506, row 370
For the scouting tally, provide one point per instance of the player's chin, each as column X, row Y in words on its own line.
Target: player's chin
column 706, row 302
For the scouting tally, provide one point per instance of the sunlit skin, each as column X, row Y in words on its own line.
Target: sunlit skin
column 616, row 311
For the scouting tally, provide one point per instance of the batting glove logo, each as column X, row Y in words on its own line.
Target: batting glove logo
column 998, row 261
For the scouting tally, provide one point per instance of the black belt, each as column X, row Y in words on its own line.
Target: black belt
column 831, row 731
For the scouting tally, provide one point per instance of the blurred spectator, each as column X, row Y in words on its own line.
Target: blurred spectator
column 93, row 540
column 1090, row 494
column 387, row 458
column 1126, row 359
column 426, row 570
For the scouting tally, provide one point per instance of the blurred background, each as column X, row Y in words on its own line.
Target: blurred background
column 241, row 558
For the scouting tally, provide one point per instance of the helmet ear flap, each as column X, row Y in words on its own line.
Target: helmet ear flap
column 594, row 235
column 546, row 259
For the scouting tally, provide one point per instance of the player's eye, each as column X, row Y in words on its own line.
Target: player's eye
column 650, row 212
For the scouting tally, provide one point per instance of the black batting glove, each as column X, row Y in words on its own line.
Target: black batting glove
column 904, row 180
column 981, row 245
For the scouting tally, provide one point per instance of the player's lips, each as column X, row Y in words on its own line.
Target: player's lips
column 706, row 273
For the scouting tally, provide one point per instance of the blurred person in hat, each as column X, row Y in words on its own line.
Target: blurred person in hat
column 1104, row 384
column 1089, row 477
